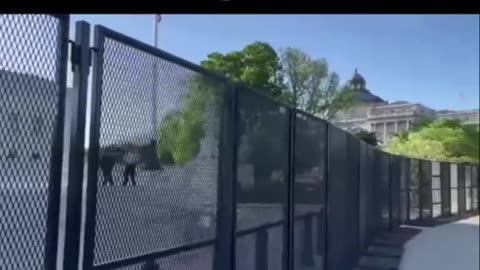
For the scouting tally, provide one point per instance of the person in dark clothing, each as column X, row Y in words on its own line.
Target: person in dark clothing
column 131, row 159
column 107, row 162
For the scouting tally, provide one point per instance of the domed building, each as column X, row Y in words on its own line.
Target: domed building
column 371, row 113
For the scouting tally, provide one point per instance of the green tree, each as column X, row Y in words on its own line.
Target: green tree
column 182, row 130
column 297, row 78
column 439, row 140
column 311, row 86
column 256, row 65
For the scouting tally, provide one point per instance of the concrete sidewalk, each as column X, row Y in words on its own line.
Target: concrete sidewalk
column 453, row 246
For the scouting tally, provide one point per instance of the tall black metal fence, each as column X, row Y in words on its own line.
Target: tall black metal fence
column 185, row 169
column 33, row 50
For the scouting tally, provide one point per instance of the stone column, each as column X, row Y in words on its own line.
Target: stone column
column 384, row 132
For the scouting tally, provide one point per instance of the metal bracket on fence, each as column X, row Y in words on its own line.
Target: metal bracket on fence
column 76, row 55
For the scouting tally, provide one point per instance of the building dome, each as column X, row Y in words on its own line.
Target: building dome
column 358, row 79
column 360, row 92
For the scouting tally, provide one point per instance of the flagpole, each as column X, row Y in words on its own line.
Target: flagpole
column 155, row 32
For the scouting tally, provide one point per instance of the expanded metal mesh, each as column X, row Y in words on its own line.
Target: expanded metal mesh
column 475, row 194
column 352, row 196
column 366, row 195
column 32, row 89
column 342, row 200
column 468, row 188
column 425, row 189
column 395, row 193
column 404, row 188
column 454, row 188
column 382, row 190
column 262, row 174
column 158, row 156
column 462, row 198
column 445, row 188
column 414, row 186
column 310, row 190
column 436, row 190
column 197, row 259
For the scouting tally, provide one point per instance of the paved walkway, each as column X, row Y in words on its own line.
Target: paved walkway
column 447, row 247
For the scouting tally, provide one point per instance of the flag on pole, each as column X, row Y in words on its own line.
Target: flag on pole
column 158, row 18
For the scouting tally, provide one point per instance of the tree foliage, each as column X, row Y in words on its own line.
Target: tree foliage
column 292, row 78
column 256, row 65
column 439, row 140
column 181, row 131
column 312, row 86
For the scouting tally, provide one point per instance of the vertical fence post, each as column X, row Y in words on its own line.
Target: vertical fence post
column 78, row 103
column 289, row 210
column 445, row 188
column 430, row 190
column 326, row 202
column 390, row 193
column 226, row 210
column 421, row 175
column 461, row 188
column 94, row 148
column 56, row 160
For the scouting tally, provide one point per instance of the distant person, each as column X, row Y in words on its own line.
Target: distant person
column 131, row 160
column 107, row 162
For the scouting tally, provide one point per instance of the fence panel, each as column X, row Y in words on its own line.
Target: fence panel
column 436, row 189
column 310, row 192
column 425, row 190
column 414, row 185
column 468, row 188
column 33, row 61
column 363, row 195
column 454, row 188
column 153, row 159
column 475, row 180
column 342, row 200
column 352, row 194
column 262, row 173
column 445, row 188
column 462, row 198
column 382, row 190
column 395, row 191
column 404, row 189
